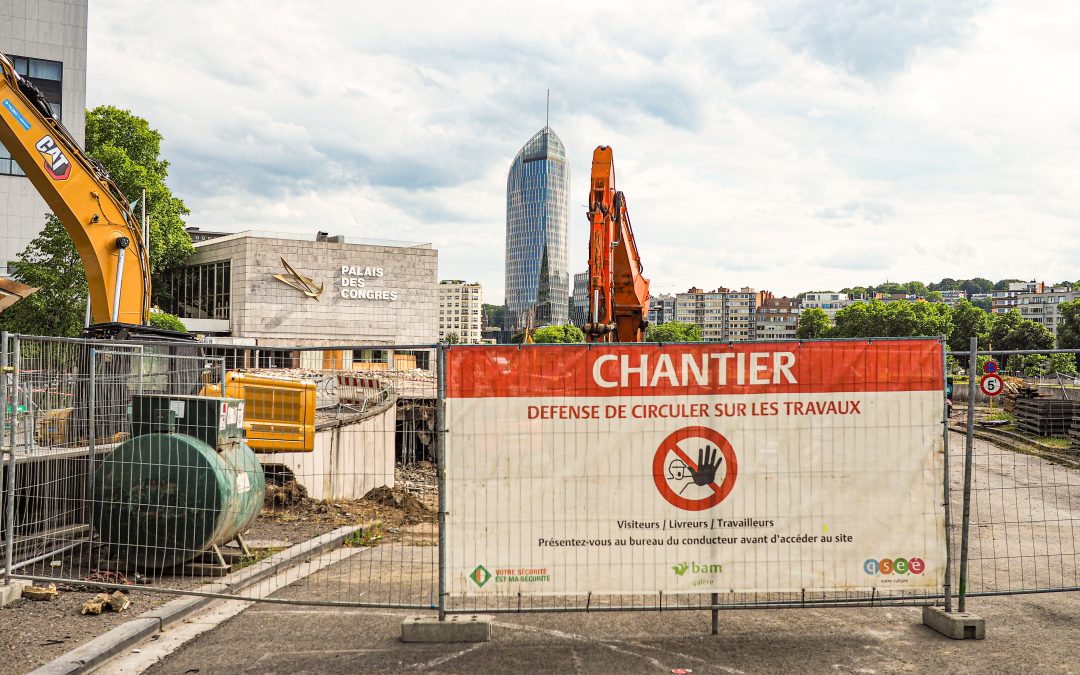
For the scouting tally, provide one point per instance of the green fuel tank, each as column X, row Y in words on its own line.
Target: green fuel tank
column 161, row 499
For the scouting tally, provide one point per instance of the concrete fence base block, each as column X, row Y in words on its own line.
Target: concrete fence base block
column 456, row 628
column 957, row 625
column 9, row 593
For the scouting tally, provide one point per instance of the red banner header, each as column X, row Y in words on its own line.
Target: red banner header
column 701, row 369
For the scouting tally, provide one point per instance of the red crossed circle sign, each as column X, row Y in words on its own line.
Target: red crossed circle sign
column 671, row 445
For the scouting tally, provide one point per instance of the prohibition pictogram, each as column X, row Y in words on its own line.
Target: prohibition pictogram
column 671, row 453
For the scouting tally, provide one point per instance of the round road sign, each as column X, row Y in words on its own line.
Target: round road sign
column 688, row 484
column 991, row 384
column 990, row 366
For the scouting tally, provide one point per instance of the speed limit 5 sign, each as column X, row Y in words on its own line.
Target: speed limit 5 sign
column 991, row 384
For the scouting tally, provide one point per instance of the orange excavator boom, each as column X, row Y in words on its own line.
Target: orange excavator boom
column 85, row 199
column 618, row 292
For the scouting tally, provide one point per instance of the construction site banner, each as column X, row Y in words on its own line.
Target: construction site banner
column 755, row 467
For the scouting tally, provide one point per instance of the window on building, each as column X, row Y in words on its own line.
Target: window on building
column 201, row 291
column 46, row 76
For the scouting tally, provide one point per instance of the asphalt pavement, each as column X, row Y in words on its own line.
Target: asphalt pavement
column 1025, row 634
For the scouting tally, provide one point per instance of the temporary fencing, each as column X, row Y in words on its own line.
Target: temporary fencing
column 1022, row 470
column 694, row 476
column 124, row 468
column 464, row 478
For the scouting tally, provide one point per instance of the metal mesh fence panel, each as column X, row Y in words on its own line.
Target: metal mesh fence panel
column 1025, row 472
column 581, row 450
column 117, row 473
column 134, row 472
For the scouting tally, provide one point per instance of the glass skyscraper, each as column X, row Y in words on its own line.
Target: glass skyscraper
column 537, row 219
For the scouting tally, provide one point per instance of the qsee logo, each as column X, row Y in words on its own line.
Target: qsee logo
column 897, row 566
column 55, row 162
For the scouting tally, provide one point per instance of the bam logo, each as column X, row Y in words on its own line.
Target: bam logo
column 55, row 162
column 697, row 568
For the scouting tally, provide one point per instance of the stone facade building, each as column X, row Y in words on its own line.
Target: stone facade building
column 277, row 289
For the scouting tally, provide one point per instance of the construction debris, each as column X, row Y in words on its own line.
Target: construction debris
column 118, row 601
column 290, row 493
column 1017, row 389
column 40, row 592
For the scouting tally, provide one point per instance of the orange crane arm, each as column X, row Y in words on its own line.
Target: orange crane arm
column 87, row 201
column 618, row 293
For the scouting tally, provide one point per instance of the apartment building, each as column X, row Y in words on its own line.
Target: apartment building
column 830, row 303
column 950, row 298
column 661, row 309
column 1009, row 299
column 1042, row 307
column 724, row 315
column 777, row 319
column 461, row 311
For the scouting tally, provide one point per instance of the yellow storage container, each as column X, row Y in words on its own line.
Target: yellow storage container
column 279, row 413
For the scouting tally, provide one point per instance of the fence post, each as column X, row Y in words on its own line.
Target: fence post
column 91, row 421
column 9, row 483
column 969, row 453
column 715, row 614
column 440, row 468
column 948, row 500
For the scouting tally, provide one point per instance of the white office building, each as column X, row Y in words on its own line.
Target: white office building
column 461, row 311
column 46, row 40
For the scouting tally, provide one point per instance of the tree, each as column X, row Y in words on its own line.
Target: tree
column 130, row 151
column 1034, row 365
column 493, row 315
column 564, row 334
column 1003, row 285
column 166, row 321
column 1063, row 363
column 1068, row 332
column 935, row 296
column 893, row 319
column 813, row 324
column 673, row 331
column 985, row 304
column 916, row 288
column 946, row 284
column 51, row 264
column 452, row 339
column 1012, row 331
column 967, row 321
column 976, row 285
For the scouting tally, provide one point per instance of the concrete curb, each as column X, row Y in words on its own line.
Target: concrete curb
column 87, row 657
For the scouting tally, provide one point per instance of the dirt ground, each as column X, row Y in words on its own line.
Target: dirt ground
column 35, row 632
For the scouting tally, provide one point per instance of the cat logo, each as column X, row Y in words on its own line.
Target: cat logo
column 55, row 162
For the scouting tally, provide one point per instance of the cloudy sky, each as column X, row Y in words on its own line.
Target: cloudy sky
column 789, row 145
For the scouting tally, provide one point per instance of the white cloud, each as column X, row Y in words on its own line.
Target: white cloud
column 807, row 146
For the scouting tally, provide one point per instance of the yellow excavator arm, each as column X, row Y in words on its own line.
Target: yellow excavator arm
column 85, row 199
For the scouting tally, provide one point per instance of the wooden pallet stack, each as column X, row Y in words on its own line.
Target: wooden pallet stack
column 1044, row 416
column 1074, row 435
column 1016, row 389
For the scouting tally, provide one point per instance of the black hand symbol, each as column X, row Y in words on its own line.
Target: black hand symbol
column 708, row 460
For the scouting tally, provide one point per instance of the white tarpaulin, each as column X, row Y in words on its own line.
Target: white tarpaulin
column 764, row 467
